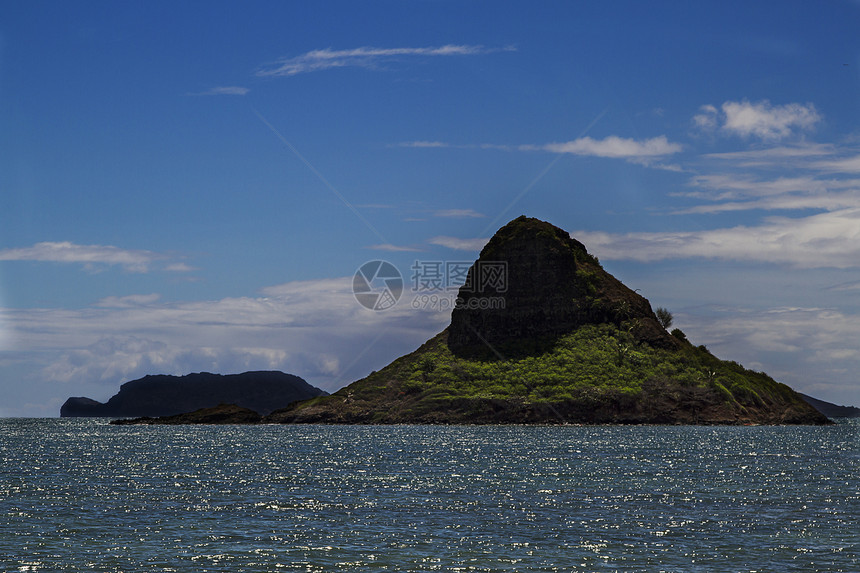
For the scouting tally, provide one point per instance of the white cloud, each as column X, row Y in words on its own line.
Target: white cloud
column 459, row 213
column 365, row 57
column 459, row 244
column 223, row 90
column 767, row 121
column 829, row 201
column 730, row 192
column 644, row 152
column 803, row 176
column 393, row 248
column 761, row 119
column 825, row 240
column 707, row 118
column 66, row 252
column 119, row 358
column 730, row 186
column 845, row 165
column 775, row 156
column 315, row 329
column 423, row 144
column 616, row 147
column 128, row 301
column 179, row 268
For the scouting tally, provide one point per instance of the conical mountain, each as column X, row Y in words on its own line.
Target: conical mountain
column 543, row 334
column 533, row 283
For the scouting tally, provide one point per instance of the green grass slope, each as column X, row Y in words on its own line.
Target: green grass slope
column 596, row 374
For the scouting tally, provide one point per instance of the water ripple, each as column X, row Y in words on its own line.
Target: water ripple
column 80, row 495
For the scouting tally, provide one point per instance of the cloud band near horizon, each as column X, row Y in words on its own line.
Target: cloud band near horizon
column 825, row 240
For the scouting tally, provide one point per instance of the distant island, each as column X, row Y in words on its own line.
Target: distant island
column 556, row 340
column 165, row 395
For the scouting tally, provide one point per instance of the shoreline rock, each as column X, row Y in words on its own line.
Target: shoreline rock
column 220, row 414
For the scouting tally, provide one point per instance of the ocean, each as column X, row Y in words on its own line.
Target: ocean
column 82, row 495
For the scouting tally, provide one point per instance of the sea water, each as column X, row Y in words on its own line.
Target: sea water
column 82, row 495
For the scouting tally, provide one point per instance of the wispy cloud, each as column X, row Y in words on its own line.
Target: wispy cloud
column 459, row 244
column 138, row 261
column 761, row 119
column 616, row 147
column 730, row 186
column 179, row 268
column 775, row 156
column 730, row 192
column 844, row 165
column 707, row 119
column 789, row 202
column 849, row 286
column 459, row 214
column 423, row 144
column 818, row 241
column 393, row 248
column 645, row 151
column 128, row 301
column 803, row 176
column 223, row 90
column 365, row 57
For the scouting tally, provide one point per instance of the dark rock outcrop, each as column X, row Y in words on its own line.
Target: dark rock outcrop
column 164, row 395
column 220, row 414
column 80, row 407
column 538, row 284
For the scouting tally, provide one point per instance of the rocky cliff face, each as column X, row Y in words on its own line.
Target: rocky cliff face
column 538, row 283
column 164, row 395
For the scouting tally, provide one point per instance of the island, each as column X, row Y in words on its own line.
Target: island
column 543, row 334
column 165, row 395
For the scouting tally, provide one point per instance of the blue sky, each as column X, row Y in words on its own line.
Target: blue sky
column 191, row 187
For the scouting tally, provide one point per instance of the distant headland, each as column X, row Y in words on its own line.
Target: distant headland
column 164, row 395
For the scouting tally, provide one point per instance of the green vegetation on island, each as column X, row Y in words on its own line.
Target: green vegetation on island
column 597, row 374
